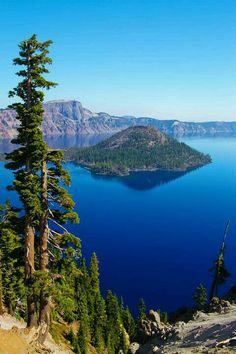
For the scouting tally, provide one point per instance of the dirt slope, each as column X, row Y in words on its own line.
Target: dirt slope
column 16, row 339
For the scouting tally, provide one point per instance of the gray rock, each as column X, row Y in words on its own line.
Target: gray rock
column 69, row 117
column 155, row 317
column 219, row 305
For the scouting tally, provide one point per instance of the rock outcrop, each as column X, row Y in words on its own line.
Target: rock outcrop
column 213, row 332
column 151, row 326
column 69, row 117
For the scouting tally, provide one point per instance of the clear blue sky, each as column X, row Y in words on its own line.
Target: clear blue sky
column 161, row 58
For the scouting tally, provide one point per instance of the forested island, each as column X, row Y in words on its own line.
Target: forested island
column 137, row 148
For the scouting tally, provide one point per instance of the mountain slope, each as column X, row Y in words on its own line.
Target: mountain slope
column 137, row 148
column 69, row 117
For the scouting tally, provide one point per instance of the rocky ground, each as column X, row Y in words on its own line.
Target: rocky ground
column 214, row 332
column 16, row 339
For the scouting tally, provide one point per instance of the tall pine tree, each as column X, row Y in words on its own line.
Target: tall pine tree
column 26, row 160
column 57, row 209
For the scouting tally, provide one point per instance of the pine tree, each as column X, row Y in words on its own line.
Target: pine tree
column 84, row 330
column 128, row 322
column 57, row 209
column 66, row 277
column 219, row 269
column 11, row 252
column 26, row 160
column 200, row 296
column 141, row 310
column 94, row 276
column 114, row 326
column 98, row 334
column 93, row 294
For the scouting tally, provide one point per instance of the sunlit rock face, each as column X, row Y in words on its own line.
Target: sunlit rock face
column 69, row 117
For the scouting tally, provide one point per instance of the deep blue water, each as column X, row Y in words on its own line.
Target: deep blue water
column 156, row 234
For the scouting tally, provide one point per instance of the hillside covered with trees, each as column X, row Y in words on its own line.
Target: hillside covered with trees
column 137, row 148
column 43, row 276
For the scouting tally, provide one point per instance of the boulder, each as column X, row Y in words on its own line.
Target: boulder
column 151, row 326
column 219, row 305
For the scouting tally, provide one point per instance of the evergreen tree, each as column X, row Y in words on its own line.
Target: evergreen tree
column 57, row 209
column 11, row 252
column 165, row 317
column 93, row 295
column 94, row 276
column 99, row 325
column 219, row 269
column 128, row 322
column 84, row 330
column 26, row 160
column 200, row 296
column 141, row 310
column 65, row 251
column 114, row 326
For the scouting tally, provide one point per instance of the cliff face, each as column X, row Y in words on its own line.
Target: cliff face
column 71, row 118
column 8, row 123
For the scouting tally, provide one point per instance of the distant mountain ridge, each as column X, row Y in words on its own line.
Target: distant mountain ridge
column 69, row 117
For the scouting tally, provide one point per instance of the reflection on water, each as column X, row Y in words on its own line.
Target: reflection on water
column 144, row 180
column 61, row 142
column 67, row 141
column 137, row 180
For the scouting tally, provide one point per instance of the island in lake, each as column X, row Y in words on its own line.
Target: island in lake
column 137, row 148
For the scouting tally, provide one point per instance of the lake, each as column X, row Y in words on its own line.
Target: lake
column 156, row 234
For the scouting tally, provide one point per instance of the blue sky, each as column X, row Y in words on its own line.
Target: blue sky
column 160, row 58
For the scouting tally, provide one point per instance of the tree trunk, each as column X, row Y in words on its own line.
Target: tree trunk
column 29, row 231
column 45, row 301
column 44, row 221
column 29, row 270
column 213, row 287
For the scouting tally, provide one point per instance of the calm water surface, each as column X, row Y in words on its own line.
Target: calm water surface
column 156, row 234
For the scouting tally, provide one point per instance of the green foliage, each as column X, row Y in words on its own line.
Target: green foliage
column 128, row 322
column 104, row 323
column 164, row 317
column 141, row 310
column 200, row 296
column 84, row 328
column 26, row 160
column 137, row 148
column 11, row 253
column 115, row 330
column 44, row 265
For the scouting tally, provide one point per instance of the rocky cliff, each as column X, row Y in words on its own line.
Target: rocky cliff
column 71, row 118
